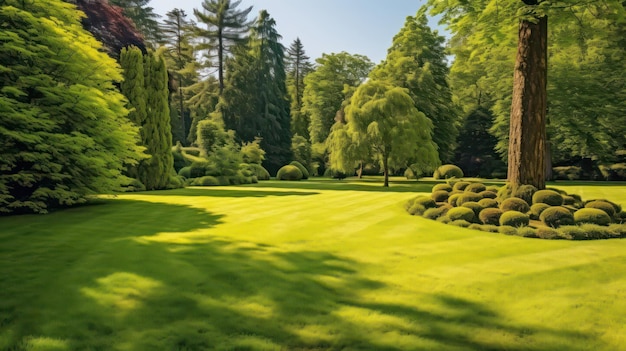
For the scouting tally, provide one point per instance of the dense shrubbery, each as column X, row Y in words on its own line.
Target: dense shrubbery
column 552, row 214
column 289, row 172
column 305, row 172
column 447, row 172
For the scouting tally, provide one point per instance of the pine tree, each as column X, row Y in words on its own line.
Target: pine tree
column 298, row 66
column 63, row 125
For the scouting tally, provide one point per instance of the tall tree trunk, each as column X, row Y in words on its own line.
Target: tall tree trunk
column 386, row 170
column 220, row 61
column 527, row 134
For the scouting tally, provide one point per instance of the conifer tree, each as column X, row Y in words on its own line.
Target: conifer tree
column 298, row 66
column 143, row 16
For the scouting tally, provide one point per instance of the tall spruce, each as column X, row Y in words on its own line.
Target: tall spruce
column 63, row 125
column 143, row 16
column 298, row 66
column 225, row 28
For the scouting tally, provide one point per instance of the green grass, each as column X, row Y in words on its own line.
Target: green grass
column 315, row 265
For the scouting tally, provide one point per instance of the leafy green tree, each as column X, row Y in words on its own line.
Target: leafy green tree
column 252, row 152
column 417, row 61
column 63, row 125
column 298, row 66
column 226, row 26
column 382, row 120
column 324, row 89
column 144, row 17
column 301, row 150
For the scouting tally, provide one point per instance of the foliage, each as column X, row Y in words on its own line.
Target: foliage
column 468, row 197
column 289, row 172
column 488, row 202
column 525, row 192
column 442, row 186
column 440, row 196
column 556, row 216
column 259, row 171
column 490, row 216
column 205, row 181
column 516, row 204
column 252, row 152
column 592, row 215
column 298, row 66
column 448, row 171
column 453, row 198
column 514, row 219
column 549, row 197
column 143, row 17
column 488, row 194
column 602, row 205
column 537, row 209
column 63, row 125
column 464, row 213
column 547, row 233
column 460, row 186
column 474, row 206
column 301, row 150
column 436, row 212
column 305, row 172
column 475, row 152
column 476, row 188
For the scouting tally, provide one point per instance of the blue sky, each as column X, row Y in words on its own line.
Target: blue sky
column 363, row 27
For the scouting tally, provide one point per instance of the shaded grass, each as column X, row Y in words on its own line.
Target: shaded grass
column 308, row 266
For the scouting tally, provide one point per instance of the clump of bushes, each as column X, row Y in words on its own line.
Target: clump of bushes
column 440, row 196
column 289, row 172
column 490, row 216
column 549, row 197
column 602, row 205
column 305, row 172
column 442, row 187
column 556, row 216
column 514, row 219
column 464, row 213
column 592, row 215
column 514, row 204
column 447, row 172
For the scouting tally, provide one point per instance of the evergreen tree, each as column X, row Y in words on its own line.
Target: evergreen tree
column 298, row 66
column 143, row 16
column 475, row 152
column 225, row 28
column 63, row 125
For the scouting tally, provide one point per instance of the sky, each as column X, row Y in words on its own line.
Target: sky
column 363, row 27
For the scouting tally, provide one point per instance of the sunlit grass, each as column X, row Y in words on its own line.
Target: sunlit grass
column 315, row 265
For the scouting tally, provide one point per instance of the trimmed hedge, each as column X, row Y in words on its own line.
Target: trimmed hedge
column 452, row 200
column 416, row 209
column 549, row 197
column 440, row 196
column 205, row 181
column 460, row 186
column 463, row 213
column 468, row 197
column 490, row 216
column 547, row 233
column 602, row 205
column 592, row 215
column 527, row 232
column 474, row 206
column 488, row 194
column 525, row 192
column 442, row 186
column 514, row 219
column 448, row 171
column 476, row 187
column 305, row 172
column 436, row 212
column 289, row 172
column 557, row 216
column 514, row 204
column 488, row 203
column 537, row 209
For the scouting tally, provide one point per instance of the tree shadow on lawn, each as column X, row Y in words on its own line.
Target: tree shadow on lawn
column 135, row 275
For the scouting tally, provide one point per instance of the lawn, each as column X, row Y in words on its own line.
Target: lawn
column 315, row 265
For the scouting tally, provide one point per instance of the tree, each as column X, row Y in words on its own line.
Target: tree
column 143, row 16
column 475, row 152
column 298, row 66
column 148, row 97
column 63, row 125
column 323, row 91
column 382, row 119
column 225, row 28
column 416, row 60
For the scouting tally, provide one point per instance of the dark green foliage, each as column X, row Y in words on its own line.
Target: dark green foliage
column 617, row 230
column 176, row 182
column 621, row 217
column 594, row 231
column 64, row 135
column 302, row 150
column 134, row 185
column 185, row 172
column 569, row 200
column 440, row 196
column 557, row 216
column 259, row 171
column 416, row 209
column 514, row 219
column 305, row 172
column 490, row 216
column 549, row 197
column 547, row 233
column 592, row 215
column 460, row 186
column 475, row 153
column 505, row 192
column 289, row 172
column 436, row 212
column 488, row 203
column 424, row 201
column 527, row 232
column 452, row 200
column 603, row 205
column 143, row 16
column 461, row 223
column 467, row 197
column 476, row 187
column 571, row 232
column 489, row 228
column 567, row 173
column 508, row 230
column 525, row 192
column 298, row 66
column 442, row 186
column 474, row 206
column 537, row 209
column 447, row 172
column 515, row 204
column 179, row 160
column 463, row 213
column 205, row 181
column 488, row 194
column 333, row 173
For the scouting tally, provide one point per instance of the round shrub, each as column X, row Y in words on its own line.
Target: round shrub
column 199, row 169
column 537, row 209
column 514, row 219
column 416, row 210
column 259, row 171
column 475, row 226
column 463, row 213
column 468, row 197
column 443, row 219
column 527, row 232
column 489, row 228
column 205, row 181
column 460, row 186
column 493, row 188
column 602, row 205
column 448, row 171
column 592, row 215
column 568, row 200
column 424, row 201
column 549, row 197
column 453, row 199
column 620, row 217
column 525, row 192
column 507, row 230
column 305, row 172
column 504, row 192
column 175, row 182
column 289, row 172
column 474, row 206
column 185, row 172
column 571, row 232
column 547, row 233
column 488, row 203
column 490, row 216
column 556, row 216
column 618, row 230
column 514, row 204
column 440, row 196
column 461, row 223
column 488, row 194
column 442, row 186
column 476, row 187
column 436, row 212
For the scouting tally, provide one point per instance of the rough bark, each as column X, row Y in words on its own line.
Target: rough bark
column 386, row 170
column 527, row 134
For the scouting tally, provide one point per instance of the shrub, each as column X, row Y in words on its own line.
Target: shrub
column 620, row 217
column 474, row 206
column 179, row 160
column 475, row 226
column 571, row 232
column 603, row 205
column 259, row 171
column 448, row 171
column 185, row 172
column 556, row 216
column 618, row 230
column 567, row 173
column 305, row 172
column 176, row 182
column 489, row 228
column 493, row 188
column 476, row 187
column 568, row 200
column 514, row 204
column 594, row 231
column 410, row 174
column 592, row 215
column 198, row 169
column 331, row 173
column 463, row 213
column 453, row 199
column 461, row 223
column 442, row 186
column 436, row 212
column 467, row 197
column 508, row 230
column 416, row 210
column 490, row 216
column 460, row 186
column 549, row 197
column 443, row 219
column 537, row 209
column 424, row 201
column 488, row 194
column 527, row 232
column 504, row 192
column 525, row 192
column 205, row 181
column 547, row 233
column 514, row 219
column 134, row 185
column 440, row 196
column 289, row 172
column 488, row 203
